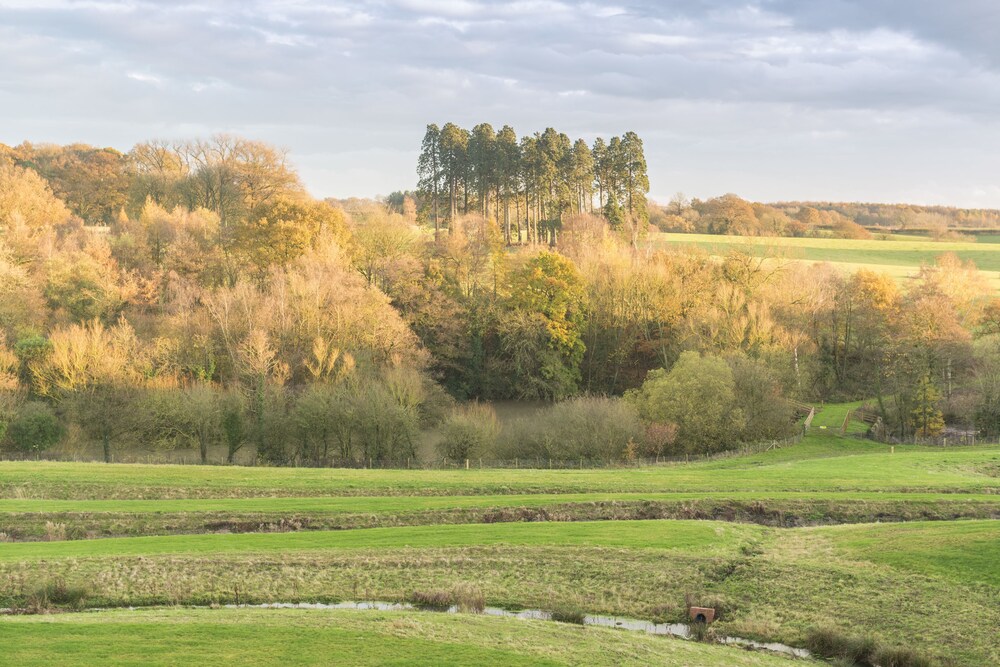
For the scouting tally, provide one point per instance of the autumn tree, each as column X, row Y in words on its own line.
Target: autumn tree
column 26, row 198
column 91, row 181
column 541, row 333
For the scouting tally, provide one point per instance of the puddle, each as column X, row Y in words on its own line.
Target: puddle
column 634, row 625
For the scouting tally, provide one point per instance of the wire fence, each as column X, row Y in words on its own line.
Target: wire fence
column 248, row 458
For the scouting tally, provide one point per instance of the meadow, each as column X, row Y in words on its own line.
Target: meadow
column 826, row 533
column 294, row 637
column 899, row 256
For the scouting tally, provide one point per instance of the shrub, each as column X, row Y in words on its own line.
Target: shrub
column 860, row 650
column 55, row 532
column 590, row 427
column 468, row 599
column 700, row 632
column 826, row 642
column 433, row 599
column 34, row 428
column 568, row 615
column 898, row 656
column 464, row 597
column 660, row 439
column 468, row 432
column 699, row 395
column 55, row 594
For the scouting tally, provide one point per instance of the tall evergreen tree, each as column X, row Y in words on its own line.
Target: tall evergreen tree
column 636, row 180
column 430, row 173
column 508, row 155
column 483, row 164
column 454, row 152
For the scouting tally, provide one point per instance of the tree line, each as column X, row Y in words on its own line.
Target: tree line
column 225, row 310
column 529, row 184
column 731, row 214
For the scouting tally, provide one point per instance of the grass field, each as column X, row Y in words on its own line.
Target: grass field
column 633, row 542
column 293, row 637
column 899, row 257
column 824, row 462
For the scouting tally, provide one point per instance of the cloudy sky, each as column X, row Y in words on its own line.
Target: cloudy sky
column 875, row 100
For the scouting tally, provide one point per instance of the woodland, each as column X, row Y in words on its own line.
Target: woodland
column 192, row 295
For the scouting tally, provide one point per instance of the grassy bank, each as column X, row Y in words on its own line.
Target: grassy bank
column 823, row 462
column 293, row 637
column 32, row 520
column 770, row 583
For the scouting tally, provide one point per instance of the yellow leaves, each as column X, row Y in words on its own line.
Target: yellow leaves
column 8, row 367
column 258, row 359
column 25, row 197
column 876, row 290
column 328, row 363
column 86, row 355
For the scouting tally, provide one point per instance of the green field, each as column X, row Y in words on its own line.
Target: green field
column 293, row 637
column 758, row 536
column 824, row 462
column 899, row 257
column 701, row 536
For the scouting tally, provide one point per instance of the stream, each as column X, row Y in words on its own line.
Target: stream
column 635, row 625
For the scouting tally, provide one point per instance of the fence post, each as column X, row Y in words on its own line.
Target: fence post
column 466, row 464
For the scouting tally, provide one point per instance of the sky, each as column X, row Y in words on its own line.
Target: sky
column 775, row 100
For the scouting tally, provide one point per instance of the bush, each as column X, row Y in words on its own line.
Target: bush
column 660, row 439
column 468, row 599
column 589, row 428
column 568, row 615
column 826, row 642
column 465, row 597
column 468, row 432
column 34, row 428
column 699, row 395
column 56, row 594
column 434, row 599
column 860, row 650
column 897, row 656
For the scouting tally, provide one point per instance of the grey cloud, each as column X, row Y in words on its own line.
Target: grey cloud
column 348, row 86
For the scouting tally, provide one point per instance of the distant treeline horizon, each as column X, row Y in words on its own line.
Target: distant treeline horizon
column 95, row 183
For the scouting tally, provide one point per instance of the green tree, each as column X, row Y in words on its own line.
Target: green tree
column 454, row 146
column 483, row 164
column 699, row 395
column 430, row 172
column 508, row 154
column 927, row 420
column 635, row 180
column 35, row 428
column 542, row 337
column 190, row 416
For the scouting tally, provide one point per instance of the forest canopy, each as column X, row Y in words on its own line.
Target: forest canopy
column 201, row 299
